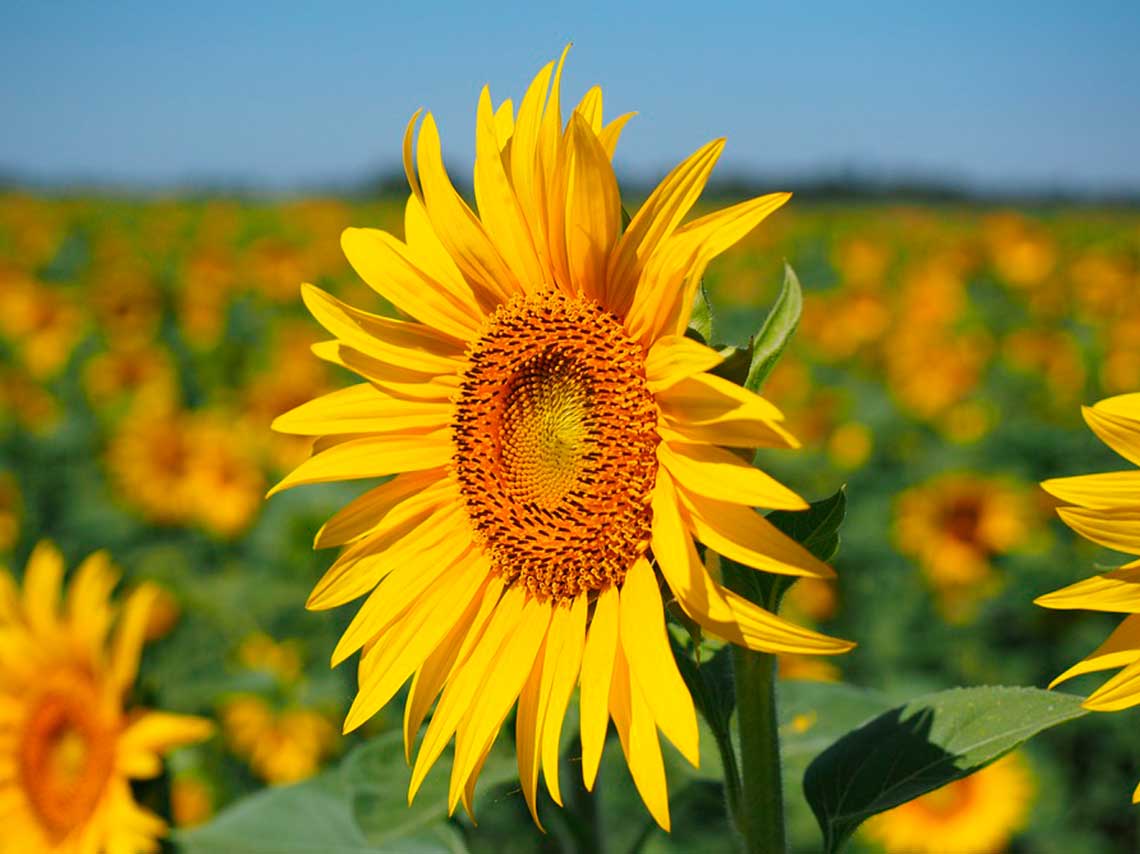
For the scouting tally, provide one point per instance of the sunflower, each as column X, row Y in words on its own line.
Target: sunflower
column 1106, row 509
column 954, row 525
column 557, row 443
column 69, row 747
column 978, row 814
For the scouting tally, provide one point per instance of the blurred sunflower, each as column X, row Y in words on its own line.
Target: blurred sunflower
column 280, row 746
column 70, row 746
column 556, row 440
column 953, row 526
column 1106, row 509
column 178, row 467
column 978, row 814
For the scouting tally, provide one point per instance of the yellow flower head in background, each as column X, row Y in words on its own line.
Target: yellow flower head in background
column 978, row 814
column 953, row 526
column 69, row 744
column 1106, row 509
column 280, row 746
column 557, row 442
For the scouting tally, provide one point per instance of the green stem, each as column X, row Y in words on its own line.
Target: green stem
column 760, row 815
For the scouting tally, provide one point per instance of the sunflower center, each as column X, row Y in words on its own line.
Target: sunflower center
column 66, row 756
column 556, row 442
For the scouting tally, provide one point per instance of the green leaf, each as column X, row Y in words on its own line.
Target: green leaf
column 701, row 321
column 812, row 715
column 376, row 778
column 361, row 808
column 777, row 330
column 817, row 528
column 313, row 817
column 921, row 746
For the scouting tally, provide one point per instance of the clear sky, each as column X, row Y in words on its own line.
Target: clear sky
column 1003, row 95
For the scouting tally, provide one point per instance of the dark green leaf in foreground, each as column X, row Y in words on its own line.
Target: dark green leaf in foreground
column 313, row 817
column 360, row 808
column 701, row 321
column 376, row 778
column 816, row 529
column 921, row 746
column 777, row 330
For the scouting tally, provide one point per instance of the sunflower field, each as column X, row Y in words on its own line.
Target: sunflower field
column 936, row 378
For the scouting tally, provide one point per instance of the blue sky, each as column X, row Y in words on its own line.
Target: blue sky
column 279, row 95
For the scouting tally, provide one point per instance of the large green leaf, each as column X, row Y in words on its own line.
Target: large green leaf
column 921, row 746
column 361, row 808
column 812, row 715
column 313, row 817
column 777, row 330
column 376, row 778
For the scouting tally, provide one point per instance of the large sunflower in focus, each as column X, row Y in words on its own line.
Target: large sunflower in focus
column 558, row 443
column 1106, row 509
column 68, row 747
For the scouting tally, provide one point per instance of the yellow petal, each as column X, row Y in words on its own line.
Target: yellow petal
column 402, row 649
column 663, row 300
column 550, row 129
column 372, row 456
column 368, row 513
column 392, row 380
column 705, row 398
column 43, row 578
column 656, row 219
column 743, row 535
column 504, row 123
column 386, row 265
column 563, row 675
column 440, row 663
column 1122, row 691
column 398, row 342
column 409, row 162
column 1117, row 591
column 499, row 209
column 426, row 251
column 155, row 734
column 363, row 408
column 1097, row 491
column 638, row 737
column 524, row 158
column 1117, row 528
column 673, row 358
column 457, row 226
column 597, row 672
column 590, row 108
column 412, row 528
column 1117, row 422
column 611, row 133
column 446, row 558
column 728, row 432
column 593, row 209
column 88, row 601
column 528, row 725
column 1120, row 649
column 467, row 682
column 720, row 611
column 510, row 665
column 718, row 474
column 126, row 647
column 651, row 663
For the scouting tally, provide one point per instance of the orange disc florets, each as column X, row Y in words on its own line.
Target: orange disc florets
column 556, row 443
column 67, row 753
